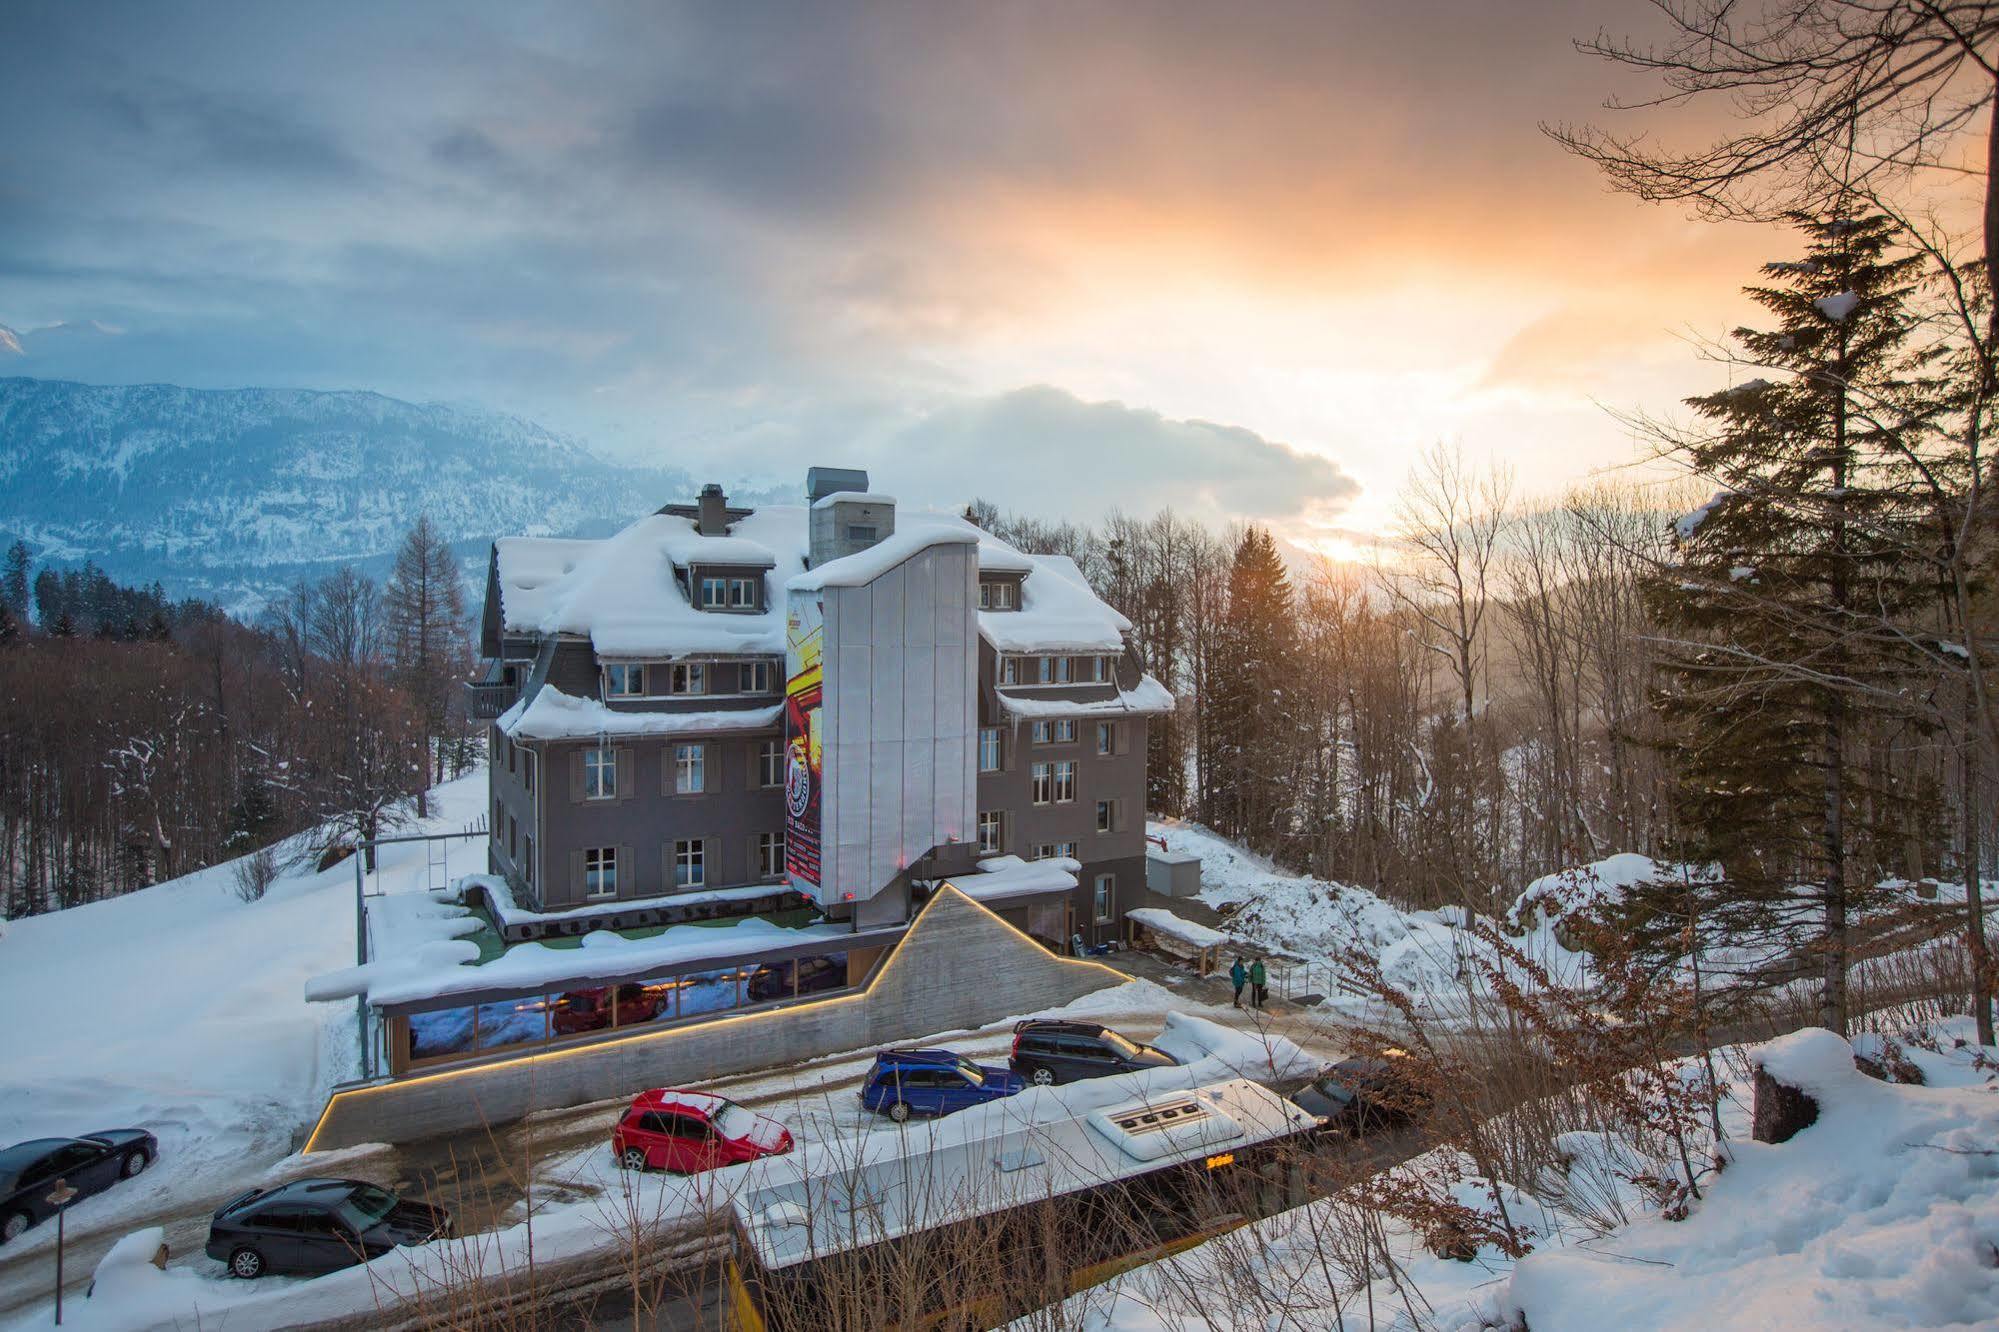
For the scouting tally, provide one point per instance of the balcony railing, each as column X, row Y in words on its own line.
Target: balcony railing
column 485, row 700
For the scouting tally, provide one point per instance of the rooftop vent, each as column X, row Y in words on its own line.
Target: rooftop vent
column 823, row 481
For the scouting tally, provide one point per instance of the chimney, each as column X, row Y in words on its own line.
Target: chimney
column 712, row 515
column 845, row 518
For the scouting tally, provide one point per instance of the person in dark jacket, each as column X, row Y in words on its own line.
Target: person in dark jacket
column 1240, row 975
column 1257, row 976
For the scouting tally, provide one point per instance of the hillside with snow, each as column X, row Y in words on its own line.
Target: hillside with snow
column 230, row 494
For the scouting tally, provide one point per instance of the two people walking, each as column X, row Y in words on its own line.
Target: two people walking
column 1255, row 977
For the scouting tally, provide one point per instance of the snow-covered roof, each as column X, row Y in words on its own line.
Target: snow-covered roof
column 1147, row 696
column 554, row 715
column 864, row 566
column 438, row 965
column 1175, row 927
column 1001, row 877
column 851, row 497
column 505, row 908
column 621, row 594
column 1058, row 613
column 689, row 548
column 1045, row 1142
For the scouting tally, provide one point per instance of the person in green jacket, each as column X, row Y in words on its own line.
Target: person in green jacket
column 1240, row 975
column 1257, row 977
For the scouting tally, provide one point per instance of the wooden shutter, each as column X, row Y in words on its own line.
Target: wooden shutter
column 628, row 873
column 575, row 884
column 628, row 771
column 576, row 776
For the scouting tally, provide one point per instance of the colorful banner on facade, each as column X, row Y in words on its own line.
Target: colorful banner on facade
column 804, row 775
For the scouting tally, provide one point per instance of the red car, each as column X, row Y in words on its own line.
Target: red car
column 689, row 1132
column 590, row 1010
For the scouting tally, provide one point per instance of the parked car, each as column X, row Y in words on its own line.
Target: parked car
column 1046, row 1052
column 90, row 1164
column 932, row 1082
column 590, row 1010
column 1365, row 1093
column 815, row 975
column 317, row 1225
column 690, row 1132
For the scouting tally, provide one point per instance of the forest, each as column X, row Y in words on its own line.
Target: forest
column 141, row 739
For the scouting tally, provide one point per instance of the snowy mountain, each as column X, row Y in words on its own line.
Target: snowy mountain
column 231, row 494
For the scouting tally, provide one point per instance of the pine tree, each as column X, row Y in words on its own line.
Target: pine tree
column 1253, row 682
column 14, row 580
column 424, row 603
column 1779, row 580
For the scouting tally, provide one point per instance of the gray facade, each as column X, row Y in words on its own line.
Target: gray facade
column 915, row 697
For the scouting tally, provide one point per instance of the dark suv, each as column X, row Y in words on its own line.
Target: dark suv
column 1047, row 1052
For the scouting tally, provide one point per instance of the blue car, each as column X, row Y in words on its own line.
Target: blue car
column 933, row 1082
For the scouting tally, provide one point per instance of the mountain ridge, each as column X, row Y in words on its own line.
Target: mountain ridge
column 231, row 494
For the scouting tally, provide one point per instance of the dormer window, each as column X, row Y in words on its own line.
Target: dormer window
column 739, row 594
column 998, row 594
column 624, row 680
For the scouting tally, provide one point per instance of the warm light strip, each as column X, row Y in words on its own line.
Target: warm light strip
column 550, row 1056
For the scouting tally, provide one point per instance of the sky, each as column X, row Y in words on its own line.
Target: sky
column 1246, row 259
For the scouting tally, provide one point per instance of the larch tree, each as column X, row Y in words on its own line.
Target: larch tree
column 424, row 611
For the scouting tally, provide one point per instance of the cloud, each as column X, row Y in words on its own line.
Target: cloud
column 1044, row 451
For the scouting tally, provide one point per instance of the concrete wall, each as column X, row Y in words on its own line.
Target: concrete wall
column 960, row 966
column 897, row 721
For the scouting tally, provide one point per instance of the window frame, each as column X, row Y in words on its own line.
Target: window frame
column 1065, row 731
column 1065, row 769
column 683, row 751
column 1107, row 816
column 629, row 678
column 990, row 736
column 600, row 761
column 1103, row 898
column 998, row 594
column 1041, row 783
column 743, row 593
column 1106, row 739
column 606, row 864
column 769, row 848
column 690, row 859
column 771, row 758
column 1038, row 733
column 755, row 677
column 994, row 819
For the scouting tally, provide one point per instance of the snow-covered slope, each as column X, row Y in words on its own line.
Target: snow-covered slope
column 181, row 1009
column 230, row 493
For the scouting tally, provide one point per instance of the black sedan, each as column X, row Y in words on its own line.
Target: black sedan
column 316, row 1225
column 1365, row 1093
column 90, row 1164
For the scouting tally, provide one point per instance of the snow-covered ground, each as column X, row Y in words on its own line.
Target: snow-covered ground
column 181, row 1009
column 1882, row 1214
column 1428, row 954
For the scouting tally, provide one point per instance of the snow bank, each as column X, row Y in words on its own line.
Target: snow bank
column 1584, row 888
column 1262, row 1057
column 1148, row 696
